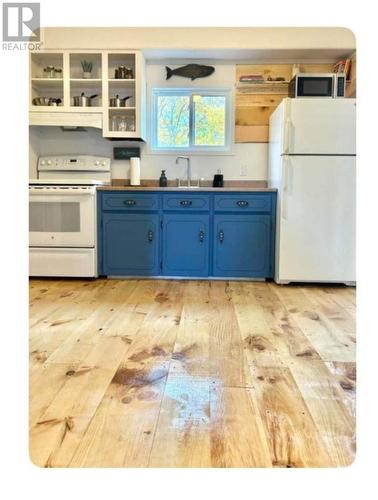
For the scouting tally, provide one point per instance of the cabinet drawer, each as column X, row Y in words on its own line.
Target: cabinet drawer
column 243, row 202
column 186, row 202
column 130, row 201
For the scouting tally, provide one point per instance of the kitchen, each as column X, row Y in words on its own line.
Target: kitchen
column 209, row 303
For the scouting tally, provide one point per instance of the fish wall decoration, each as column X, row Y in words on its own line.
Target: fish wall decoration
column 192, row 71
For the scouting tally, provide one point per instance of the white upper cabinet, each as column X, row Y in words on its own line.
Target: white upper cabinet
column 104, row 89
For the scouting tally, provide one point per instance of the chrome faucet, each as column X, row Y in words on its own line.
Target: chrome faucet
column 188, row 169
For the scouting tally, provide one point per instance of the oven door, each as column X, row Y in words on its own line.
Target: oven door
column 315, row 86
column 62, row 216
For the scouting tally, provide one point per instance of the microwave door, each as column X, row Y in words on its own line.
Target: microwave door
column 315, row 86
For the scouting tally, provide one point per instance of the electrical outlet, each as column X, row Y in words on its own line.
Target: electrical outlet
column 243, row 170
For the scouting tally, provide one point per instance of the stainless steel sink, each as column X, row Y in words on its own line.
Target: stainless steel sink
column 183, row 184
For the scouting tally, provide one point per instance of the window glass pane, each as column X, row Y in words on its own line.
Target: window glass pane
column 209, row 120
column 172, row 121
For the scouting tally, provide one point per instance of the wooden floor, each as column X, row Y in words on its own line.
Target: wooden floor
column 191, row 374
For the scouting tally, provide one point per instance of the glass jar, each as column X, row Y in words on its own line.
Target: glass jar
column 131, row 123
column 122, row 124
column 114, row 123
column 49, row 72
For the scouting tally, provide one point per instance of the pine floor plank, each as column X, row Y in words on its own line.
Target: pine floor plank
column 330, row 342
column 292, row 435
column 238, row 438
column 325, row 400
column 149, row 373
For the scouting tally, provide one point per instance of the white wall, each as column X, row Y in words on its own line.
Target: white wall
column 253, row 157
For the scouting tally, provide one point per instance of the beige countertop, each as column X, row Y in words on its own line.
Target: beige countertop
column 230, row 186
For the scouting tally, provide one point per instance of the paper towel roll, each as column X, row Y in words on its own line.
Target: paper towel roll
column 135, row 171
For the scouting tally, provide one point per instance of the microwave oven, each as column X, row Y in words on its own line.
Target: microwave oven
column 317, row 85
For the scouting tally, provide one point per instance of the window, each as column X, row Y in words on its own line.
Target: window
column 190, row 120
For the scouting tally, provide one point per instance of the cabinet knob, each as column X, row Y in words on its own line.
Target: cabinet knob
column 221, row 236
column 242, row 203
column 129, row 202
column 201, row 236
column 185, row 203
column 150, row 235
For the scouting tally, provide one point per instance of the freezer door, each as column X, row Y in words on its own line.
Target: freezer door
column 316, row 220
column 319, row 126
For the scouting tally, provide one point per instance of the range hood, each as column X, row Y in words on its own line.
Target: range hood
column 65, row 119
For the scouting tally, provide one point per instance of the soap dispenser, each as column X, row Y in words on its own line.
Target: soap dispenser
column 163, row 181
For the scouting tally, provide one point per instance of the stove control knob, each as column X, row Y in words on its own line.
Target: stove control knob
column 97, row 163
column 49, row 162
column 43, row 162
column 103, row 163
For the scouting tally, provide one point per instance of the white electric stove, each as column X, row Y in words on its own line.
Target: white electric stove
column 62, row 215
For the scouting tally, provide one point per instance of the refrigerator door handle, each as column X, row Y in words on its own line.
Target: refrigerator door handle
column 290, row 177
column 284, row 188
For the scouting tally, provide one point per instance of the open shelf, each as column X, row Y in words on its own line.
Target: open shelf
column 76, row 70
column 263, row 88
column 86, row 84
column 122, row 81
column 41, row 60
column 46, row 87
column 125, row 108
column 120, row 59
column 48, row 81
column 102, row 82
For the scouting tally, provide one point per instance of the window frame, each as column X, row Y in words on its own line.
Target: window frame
column 190, row 92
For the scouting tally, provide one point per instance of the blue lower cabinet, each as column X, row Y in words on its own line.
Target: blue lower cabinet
column 130, row 244
column 187, row 234
column 185, row 245
column 242, row 245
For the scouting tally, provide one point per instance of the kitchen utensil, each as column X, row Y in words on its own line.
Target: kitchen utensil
column 52, row 72
column 49, row 71
column 55, row 102
column 129, row 74
column 83, row 100
column 46, row 101
column 118, row 102
column 121, row 71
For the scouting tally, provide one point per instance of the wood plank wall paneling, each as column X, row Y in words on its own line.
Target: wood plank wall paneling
column 253, row 109
column 351, row 84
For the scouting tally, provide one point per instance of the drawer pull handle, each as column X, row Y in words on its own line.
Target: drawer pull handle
column 129, row 203
column 185, row 203
column 221, row 236
column 150, row 235
column 242, row 203
column 201, row 236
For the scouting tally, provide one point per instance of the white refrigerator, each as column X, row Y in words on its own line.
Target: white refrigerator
column 312, row 163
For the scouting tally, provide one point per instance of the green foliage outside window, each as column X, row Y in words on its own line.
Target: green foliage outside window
column 190, row 120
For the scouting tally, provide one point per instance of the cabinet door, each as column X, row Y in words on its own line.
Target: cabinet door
column 242, row 245
column 130, row 244
column 185, row 245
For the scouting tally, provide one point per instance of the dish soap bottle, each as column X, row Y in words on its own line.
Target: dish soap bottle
column 163, row 181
